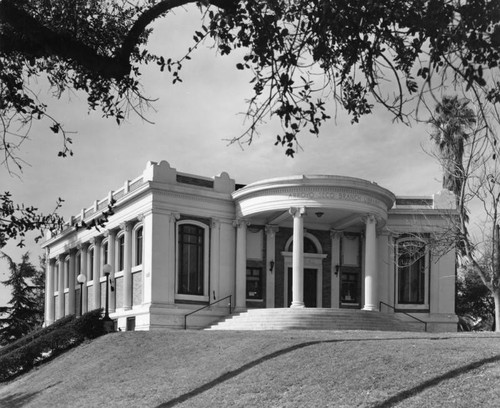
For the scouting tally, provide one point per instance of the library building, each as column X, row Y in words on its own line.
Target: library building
column 183, row 250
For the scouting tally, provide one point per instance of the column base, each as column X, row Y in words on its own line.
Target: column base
column 370, row 308
column 296, row 305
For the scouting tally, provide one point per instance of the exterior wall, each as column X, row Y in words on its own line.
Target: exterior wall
column 162, row 199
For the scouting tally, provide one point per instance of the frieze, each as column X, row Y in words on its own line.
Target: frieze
column 323, row 193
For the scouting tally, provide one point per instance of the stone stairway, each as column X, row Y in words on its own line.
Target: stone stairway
column 313, row 319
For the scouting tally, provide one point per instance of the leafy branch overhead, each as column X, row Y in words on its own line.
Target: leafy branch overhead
column 300, row 53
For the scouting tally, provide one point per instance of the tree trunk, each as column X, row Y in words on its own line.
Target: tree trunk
column 496, row 298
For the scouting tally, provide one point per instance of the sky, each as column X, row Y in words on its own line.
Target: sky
column 192, row 122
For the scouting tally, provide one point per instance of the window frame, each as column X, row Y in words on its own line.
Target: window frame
column 206, row 257
column 402, row 305
column 135, row 252
column 90, row 264
column 259, row 279
column 120, row 252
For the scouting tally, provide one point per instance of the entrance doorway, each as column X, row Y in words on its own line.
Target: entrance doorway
column 310, row 287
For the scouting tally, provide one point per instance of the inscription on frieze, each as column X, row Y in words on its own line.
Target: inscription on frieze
column 328, row 194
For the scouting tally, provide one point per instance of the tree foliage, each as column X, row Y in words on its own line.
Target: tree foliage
column 26, row 309
column 473, row 297
column 300, row 54
column 468, row 150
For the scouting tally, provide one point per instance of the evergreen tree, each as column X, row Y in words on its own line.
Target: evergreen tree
column 25, row 310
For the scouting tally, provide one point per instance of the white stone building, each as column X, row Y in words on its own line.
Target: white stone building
column 178, row 242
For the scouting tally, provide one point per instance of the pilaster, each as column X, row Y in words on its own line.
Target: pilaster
column 271, row 231
column 241, row 263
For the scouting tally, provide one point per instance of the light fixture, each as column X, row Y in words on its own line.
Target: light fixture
column 81, row 280
column 108, row 323
column 271, row 266
column 337, row 269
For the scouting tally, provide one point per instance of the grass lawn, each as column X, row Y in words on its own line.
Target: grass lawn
column 268, row 369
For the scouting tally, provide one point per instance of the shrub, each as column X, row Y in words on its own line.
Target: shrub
column 39, row 347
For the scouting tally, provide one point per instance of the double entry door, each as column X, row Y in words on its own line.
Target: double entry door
column 310, row 287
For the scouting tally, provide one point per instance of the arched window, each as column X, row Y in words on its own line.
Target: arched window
column 105, row 253
column 56, row 277
column 138, row 246
column 90, row 276
column 412, row 272
column 78, row 264
column 120, row 246
column 66, row 273
column 192, row 265
column 311, row 244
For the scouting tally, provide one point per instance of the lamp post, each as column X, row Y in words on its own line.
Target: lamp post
column 81, row 280
column 108, row 323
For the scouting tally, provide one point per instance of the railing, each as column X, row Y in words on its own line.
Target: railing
column 204, row 307
column 407, row 314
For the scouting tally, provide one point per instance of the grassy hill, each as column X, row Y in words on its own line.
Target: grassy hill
column 267, row 369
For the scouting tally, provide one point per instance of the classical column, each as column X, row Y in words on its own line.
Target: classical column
column 241, row 263
column 271, row 231
column 335, row 237
column 97, row 271
column 83, row 270
column 72, row 282
column 214, row 259
column 127, row 267
column 112, row 262
column 298, row 257
column 371, row 267
column 49, row 292
column 60, row 296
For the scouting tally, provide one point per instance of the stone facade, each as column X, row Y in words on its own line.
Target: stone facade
column 177, row 242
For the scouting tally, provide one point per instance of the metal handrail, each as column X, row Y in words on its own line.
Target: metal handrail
column 204, row 307
column 407, row 314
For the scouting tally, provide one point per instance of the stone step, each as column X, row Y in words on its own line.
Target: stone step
column 312, row 319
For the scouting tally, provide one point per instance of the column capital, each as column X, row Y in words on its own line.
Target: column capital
column 336, row 234
column 214, row 222
column 369, row 219
column 240, row 222
column 95, row 240
column 109, row 233
column 126, row 226
column 83, row 246
column 175, row 216
column 271, row 229
column 297, row 211
column 140, row 217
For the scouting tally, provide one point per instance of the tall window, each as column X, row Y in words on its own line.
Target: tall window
column 56, row 277
column 412, row 272
column 191, row 272
column 66, row 273
column 121, row 252
column 254, row 283
column 138, row 246
column 105, row 253
column 78, row 264
column 91, row 264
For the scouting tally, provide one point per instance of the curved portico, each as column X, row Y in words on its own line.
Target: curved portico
column 321, row 202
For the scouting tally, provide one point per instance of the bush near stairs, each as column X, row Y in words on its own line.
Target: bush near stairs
column 44, row 344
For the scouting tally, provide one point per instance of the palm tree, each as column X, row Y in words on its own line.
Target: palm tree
column 452, row 123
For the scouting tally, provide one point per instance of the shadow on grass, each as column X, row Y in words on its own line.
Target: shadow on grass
column 20, row 399
column 403, row 395
column 385, row 404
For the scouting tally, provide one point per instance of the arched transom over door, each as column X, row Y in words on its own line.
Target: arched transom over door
column 313, row 271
